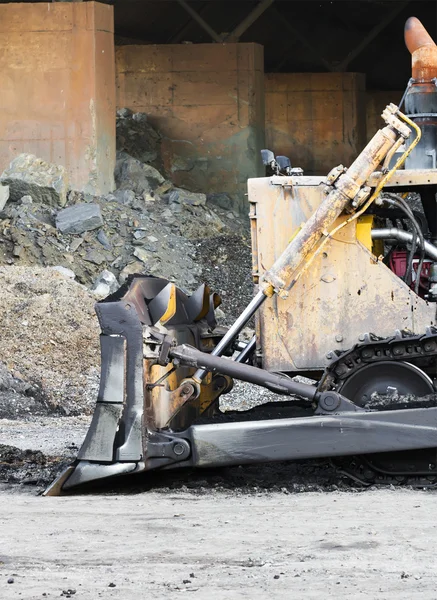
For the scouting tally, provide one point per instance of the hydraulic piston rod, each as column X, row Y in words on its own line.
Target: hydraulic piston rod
column 346, row 189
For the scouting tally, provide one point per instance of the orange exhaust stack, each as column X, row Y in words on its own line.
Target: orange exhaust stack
column 421, row 95
column 423, row 50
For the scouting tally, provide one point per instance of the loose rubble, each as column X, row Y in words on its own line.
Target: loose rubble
column 79, row 218
column 4, row 196
column 123, row 233
column 138, row 138
column 49, row 347
column 105, row 284
column 133, row 175
column 61, row 250
column 28, row 175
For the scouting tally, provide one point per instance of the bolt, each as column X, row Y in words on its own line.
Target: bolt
column 330, row 402
column 186, row 390
column 329, row 355
column 366, row 353
column 361, row 338
column 338, row 338
column 178, row 449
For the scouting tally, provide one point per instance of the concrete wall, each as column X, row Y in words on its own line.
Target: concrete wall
column 376, row 101
column 208, row 102
column 57, row 95
column 316, row 119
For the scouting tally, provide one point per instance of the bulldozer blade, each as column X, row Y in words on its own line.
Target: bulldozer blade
column 137, row 394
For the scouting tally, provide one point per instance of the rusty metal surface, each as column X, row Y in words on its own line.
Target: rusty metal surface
column 421, row 93
column 344, row 294
column 406, row 178
column 423, row 50
column 345, row 186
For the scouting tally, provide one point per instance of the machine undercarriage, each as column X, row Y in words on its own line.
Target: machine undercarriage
column 349, row 302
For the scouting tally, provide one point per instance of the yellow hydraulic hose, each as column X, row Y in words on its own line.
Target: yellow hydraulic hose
column 375, row 194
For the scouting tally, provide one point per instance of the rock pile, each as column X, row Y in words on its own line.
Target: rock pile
column 49, row 346
column 145, row 226
column 60, row 250
column 44, row 182
column 137, row 137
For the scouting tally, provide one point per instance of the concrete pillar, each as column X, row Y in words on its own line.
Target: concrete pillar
column 376, row 101
column 208, row 102
column 57, row 95
column 318, row 120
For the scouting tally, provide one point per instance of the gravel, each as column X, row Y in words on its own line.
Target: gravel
column 49, row 344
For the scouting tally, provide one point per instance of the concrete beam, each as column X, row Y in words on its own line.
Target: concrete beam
column 342, row 66
column 179, row 35
column 259, row 9
column 209, row 30
column 302, row 39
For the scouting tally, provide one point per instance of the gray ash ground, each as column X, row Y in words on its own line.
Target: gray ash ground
column 55, row 441
column 28, row 467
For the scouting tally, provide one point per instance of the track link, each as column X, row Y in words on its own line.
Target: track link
column 402, row 346
column 417, row 468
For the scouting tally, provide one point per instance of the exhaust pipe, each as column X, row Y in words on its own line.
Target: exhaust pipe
column 423, row 51
column 421, row 95
column 402, row 236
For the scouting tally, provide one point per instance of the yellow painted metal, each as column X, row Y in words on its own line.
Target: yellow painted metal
column 170, row 311
column 365, row 224
column 364, row 231
column 345, row 292
column 345, row 190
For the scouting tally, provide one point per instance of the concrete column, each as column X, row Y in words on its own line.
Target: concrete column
column 58, row 88
column 208, row 102
column 318, row 120
column 376, row 101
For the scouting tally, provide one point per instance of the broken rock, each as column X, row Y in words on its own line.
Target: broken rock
column 124, row 196
column 105, row 284
column 103, row 239
column 94, row 256
column 4, row 196
column 181, row 196
column 221, row 199
column 131, row 269
column 141, row 254
column 68, row 273
column 45, row 182
column 79, row 218
column 137, row 137
column 133, row 174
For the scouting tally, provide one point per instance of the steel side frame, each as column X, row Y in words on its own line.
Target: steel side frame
column 244, row 442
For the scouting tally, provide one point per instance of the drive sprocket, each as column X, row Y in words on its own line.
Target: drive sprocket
column 392, row 373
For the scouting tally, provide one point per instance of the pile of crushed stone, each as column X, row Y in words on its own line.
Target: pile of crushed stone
column 49, row 347
column 138, row 236
column 147, row 225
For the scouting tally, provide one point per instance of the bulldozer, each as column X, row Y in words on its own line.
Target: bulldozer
column 345, row 298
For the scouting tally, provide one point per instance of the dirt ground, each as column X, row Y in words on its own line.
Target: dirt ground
column 376, row 544
column 291, row 530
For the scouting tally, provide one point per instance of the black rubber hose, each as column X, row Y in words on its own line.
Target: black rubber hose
column 422, row 243
column 398, row 201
